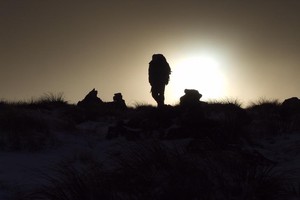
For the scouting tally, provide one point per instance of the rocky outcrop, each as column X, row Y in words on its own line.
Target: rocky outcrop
column 290, row 107
column 291, row 103
column 119, row 102
column 191, row 98
column 90, row 100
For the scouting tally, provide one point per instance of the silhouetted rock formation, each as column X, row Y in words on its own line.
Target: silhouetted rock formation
column 90, row 100
column 291, row 103
column 119, row 101
column 290, row 112
column 191, row 98
column 290, row 107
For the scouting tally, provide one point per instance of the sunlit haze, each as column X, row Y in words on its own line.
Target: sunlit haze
column 201, row 72
column 225, row 49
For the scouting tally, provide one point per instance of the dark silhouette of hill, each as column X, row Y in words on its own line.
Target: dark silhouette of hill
column 223, row 122
column 212, row 158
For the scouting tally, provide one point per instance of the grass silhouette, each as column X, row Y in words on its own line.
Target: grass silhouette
column 152, row 170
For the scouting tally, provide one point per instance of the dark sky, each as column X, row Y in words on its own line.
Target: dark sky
column 75, row 46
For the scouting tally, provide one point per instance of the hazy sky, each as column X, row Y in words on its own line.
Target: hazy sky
column 75, row 46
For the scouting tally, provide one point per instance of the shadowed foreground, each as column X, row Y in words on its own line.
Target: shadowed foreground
column 208, row 150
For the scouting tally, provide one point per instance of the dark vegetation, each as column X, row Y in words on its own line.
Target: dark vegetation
column 209, row 162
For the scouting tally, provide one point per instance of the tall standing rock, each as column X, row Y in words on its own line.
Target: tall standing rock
column 90, row 100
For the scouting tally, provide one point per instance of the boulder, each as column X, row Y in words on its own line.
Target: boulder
column 117, row 104
column 290, row 107
column 119, row 101
column 291, row 102
column 191, row 97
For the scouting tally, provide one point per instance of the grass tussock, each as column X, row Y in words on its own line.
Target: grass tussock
column 263, row 102
column 227, row 101
column 141, row 104
column 49, row 100
column 26, row 125
column 46, row 101
column 21, row 129
column 152, row 170
column 264, row 107
column 266, row 117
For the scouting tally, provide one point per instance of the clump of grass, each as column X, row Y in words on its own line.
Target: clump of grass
column 230, row 116
column 152, row 170
column 68, row 182
column 48, row 100
column 139, row 105
column 227, row 101
column 266, row 117
column 293, row 191
column 22, row 129
column 227, row 108
column 147, row 171
column 264, row 105
column 256, row 182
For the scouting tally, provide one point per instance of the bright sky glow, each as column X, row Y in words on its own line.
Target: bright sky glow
column 200, row 72
column 225, row 49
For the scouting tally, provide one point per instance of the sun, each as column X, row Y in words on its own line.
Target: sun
column 201, row 72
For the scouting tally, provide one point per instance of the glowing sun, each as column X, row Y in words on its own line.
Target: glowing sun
column 202, row 73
